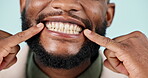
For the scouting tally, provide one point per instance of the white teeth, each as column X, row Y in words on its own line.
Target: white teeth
column 63, row 27
column 71, row 32
column 56, row 26
column 71, row 27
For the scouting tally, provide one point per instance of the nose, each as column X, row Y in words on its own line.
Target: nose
column 66, row 5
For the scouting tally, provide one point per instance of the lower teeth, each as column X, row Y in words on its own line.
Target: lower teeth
column 64, row 31
column 63, row 27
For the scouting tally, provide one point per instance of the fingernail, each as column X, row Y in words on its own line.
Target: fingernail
column 39, row 25
column 87, row 31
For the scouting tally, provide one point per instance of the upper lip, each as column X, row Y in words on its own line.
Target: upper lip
column 64, row 20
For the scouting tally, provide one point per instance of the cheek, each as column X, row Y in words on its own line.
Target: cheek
column 95, row 12
column 54, row 46
column 34, row 7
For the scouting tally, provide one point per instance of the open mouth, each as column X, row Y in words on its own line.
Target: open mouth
column 65, row 26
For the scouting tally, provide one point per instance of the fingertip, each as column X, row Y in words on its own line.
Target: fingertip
column 87, row 32
column 40, row 25
column 106, row 63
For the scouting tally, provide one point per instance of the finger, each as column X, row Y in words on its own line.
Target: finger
column 15, row 49
column 3, row 53
column 4, row 34
column 12, row 54
column 1, row 59
column 7, row 60
column 111, row 57
column 115, row 62
column 109, row 54
column 23, row 36
column 109, row 66
column 103, row 41
column 6, row 51
column 119, row 69
column 11, row 63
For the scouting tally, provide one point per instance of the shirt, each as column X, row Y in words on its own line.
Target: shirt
column 94, row 71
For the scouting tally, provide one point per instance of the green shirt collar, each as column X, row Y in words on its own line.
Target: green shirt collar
column 94, row 71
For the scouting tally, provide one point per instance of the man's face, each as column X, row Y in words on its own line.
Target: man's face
column 62, row 38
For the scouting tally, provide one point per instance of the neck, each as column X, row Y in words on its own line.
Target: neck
column 63, row 73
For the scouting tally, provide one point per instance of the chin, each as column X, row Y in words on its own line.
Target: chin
column 57, row 44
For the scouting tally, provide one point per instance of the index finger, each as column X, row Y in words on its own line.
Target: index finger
column 23, row 36
column 103, row 41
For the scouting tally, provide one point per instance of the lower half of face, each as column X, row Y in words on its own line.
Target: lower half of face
column 60, row 43
column 61, row 49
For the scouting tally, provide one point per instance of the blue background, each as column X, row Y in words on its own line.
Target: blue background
column 131, row 15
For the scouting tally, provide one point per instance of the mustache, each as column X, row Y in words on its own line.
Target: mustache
column 86, row 22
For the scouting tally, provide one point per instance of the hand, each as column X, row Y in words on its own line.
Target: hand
column 9, row 44
column 126, row 54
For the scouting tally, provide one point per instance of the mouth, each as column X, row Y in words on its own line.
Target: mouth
column 64, row 25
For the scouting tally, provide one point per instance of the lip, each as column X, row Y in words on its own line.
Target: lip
column 64, row 19
column 62, row 35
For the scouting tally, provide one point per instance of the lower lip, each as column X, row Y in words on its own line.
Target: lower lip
column 64, row 35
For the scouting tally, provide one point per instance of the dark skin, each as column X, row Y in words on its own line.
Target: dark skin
column 50, row 41
column 122, row 52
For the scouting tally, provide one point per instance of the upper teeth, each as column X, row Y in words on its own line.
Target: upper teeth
column 64, row 27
